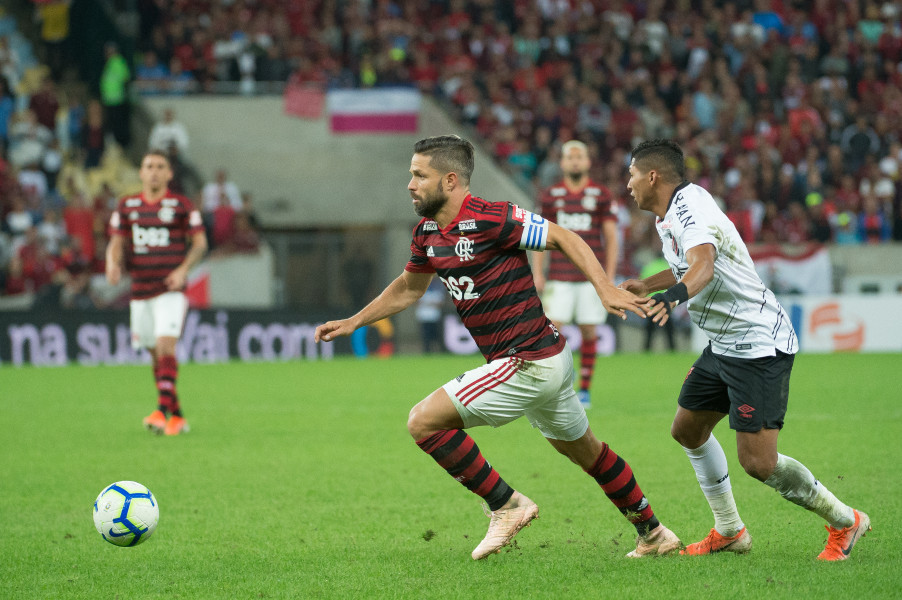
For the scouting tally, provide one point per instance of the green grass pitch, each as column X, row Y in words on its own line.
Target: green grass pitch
column 299, row 480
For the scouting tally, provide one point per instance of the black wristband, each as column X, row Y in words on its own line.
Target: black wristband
column 677, row 293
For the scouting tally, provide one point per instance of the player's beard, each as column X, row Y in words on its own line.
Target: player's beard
column 430, row 203
column 575, row 177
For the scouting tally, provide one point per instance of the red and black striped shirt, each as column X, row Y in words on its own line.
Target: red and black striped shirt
column 481, row 259
column 156, row 239
column 582, row 211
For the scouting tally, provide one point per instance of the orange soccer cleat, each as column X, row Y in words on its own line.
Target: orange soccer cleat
column 176, row 425
column 155, row 422
column 840, row 541
column 714, row 542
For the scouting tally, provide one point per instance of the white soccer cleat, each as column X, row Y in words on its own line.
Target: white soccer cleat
column 658, row 542
column 506, row 522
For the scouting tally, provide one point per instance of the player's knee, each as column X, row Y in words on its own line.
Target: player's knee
column 759, row 467
column 686, row 437
column 416, row 424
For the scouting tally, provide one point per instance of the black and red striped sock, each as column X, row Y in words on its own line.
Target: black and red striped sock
column 457, row 453
column 587, row 356
column 615, row 477
column 163, row 408
column 168, row 372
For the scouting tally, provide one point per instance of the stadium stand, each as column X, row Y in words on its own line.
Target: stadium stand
column 790, row 112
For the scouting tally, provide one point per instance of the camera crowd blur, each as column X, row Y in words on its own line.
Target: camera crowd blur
column 790, row 112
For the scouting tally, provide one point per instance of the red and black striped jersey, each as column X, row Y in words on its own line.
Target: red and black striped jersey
column 481, row 259
column 583, row 212
column 156, row 238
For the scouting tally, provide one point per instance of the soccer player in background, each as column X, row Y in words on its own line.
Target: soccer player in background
column 744, row 371
column 157, row 236
column 478, row 249
column 588, row 209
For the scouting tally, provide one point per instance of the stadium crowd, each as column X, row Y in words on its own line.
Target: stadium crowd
column 62, row 171
column 790, row 112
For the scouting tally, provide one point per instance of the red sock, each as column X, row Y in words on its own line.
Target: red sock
column 586, row 363
column 457, row 453
column 615, row 477
column 167, row 374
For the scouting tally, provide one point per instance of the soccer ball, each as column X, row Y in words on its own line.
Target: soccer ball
column 126, row 513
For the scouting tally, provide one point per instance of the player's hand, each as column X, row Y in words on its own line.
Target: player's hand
column 635, row 286
column 333, row 329
column 659, row 310
column 113, row 273
column 175, row 280
column 617, row 301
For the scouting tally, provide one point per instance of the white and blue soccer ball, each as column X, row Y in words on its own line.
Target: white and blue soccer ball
column 126, row 513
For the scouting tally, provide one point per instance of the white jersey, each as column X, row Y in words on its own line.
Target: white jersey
column 736, row 311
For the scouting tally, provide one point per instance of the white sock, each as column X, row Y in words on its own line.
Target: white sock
column 710, row 464
column 795, row 482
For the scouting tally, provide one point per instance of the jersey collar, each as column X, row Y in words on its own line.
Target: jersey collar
column 676, row 190
column 464, row 206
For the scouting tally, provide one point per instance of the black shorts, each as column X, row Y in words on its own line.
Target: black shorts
column 754, row 391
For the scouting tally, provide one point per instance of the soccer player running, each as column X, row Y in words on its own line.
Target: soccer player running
column 158, row 236
column 744, row 371
column 588, row 209
column 478, row 249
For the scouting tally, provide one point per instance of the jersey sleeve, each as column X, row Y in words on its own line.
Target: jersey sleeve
column 117, row 224
column 527, row 230
column 696, row 231
column 419, row 261
column 195, row 220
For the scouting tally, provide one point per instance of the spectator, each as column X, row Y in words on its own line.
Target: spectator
column 28, row 140
column 52, row 231
column 54, row 18
column 44, row 103
column 220, row 192
column 114, row 81
column 93, row 135
column 167, row 133
column 79, row 219
column 151, row 77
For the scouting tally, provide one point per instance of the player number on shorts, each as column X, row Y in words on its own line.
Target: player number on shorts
column 460, row 289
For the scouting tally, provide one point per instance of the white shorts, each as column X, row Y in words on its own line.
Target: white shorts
column 509, row 388
column 160, row 316
column 573, row 302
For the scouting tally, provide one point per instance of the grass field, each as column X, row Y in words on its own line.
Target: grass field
column 299, row 480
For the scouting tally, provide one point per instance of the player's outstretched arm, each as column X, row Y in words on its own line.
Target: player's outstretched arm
column 616, row 301
column 655, row 283
column 406, row 289
column 700, row 272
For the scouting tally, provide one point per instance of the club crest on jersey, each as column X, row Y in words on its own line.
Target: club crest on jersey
column 464, row 249
column 468, row 225
column 166, row 214
column 589, row 202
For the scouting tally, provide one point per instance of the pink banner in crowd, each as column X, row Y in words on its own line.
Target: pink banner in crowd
column 383, row 110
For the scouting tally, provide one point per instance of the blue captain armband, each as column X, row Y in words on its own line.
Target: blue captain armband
column 535, row 230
